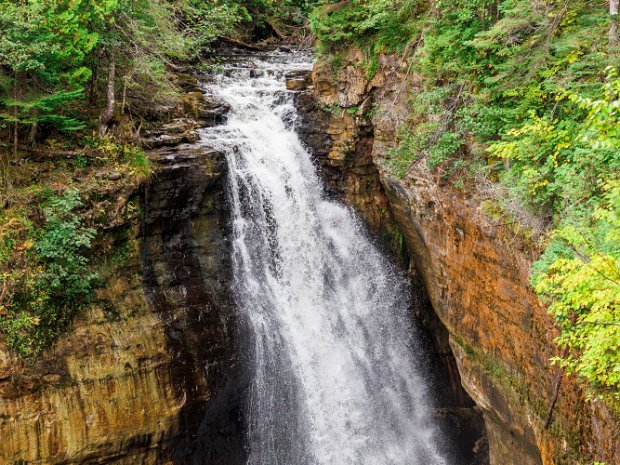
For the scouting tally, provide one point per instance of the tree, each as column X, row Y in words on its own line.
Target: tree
column 42, row 50
column 139, row 40
column 582, row 282
column 579, row 273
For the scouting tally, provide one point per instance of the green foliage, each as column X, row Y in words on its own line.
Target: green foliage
column 559, row 164
column 446, row 146
column 63, row 240
column 138, row 161
column 386, row 22
column 413, row 144
column 579, row 274
column 287, row 17
column 142, row 39
column 207, row 20
column 44, row 298
column 43, row 46
column 425, row 140
column 50, row 51
column 128, row 158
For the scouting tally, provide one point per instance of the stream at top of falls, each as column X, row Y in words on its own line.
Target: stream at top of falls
column 333, row 357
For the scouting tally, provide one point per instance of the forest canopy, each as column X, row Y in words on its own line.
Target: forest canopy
column 79, row 81
column 59, row 58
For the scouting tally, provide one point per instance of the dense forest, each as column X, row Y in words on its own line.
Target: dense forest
column 521, row 100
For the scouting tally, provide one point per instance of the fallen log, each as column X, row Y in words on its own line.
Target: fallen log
column 240, row 44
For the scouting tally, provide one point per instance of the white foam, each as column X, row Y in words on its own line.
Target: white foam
column 334, row 375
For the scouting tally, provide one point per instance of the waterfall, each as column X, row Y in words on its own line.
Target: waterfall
column 332, row 353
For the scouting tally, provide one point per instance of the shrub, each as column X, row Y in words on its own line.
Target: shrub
column 579, row 275
column 60, row 249
column 45, row 297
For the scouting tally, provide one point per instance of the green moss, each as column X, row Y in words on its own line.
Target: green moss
column 335, row 61
column 372, row 66
column 353, row 110
column 508, row 381
column 392, row 235
column 513, row 385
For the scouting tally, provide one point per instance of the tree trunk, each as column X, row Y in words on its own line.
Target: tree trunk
column 19, row 76
column 15, row 139
column 613, row 27
column 93, row 80
column 124, row 95
column 32, row 134
column 108, row 114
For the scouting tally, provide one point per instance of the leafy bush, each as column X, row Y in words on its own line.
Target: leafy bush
column 579, row 275
column 47, row 296
column 60, row 250
column 561, row 164
column 138, row 161
column 387, row 22
column 206, row 20
column 446, row 146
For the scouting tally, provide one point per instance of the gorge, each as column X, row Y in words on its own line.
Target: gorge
column 278, row 289
column 330, row 348
column 327, row 368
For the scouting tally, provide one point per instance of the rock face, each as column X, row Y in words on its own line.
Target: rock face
column 474, row 269
column 341, row 142
column 187, row 276
column 148, row 373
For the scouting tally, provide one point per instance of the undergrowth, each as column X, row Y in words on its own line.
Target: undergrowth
column 45, row 273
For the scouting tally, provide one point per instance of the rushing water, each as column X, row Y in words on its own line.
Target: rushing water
column 332, row 353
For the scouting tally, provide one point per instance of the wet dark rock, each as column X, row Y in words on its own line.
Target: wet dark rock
column 213, row 113
column 462, row 426
column 187, row 275
column 312, row 130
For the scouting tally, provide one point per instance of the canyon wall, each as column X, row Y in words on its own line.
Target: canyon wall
column 474, row 268
column 134, row 380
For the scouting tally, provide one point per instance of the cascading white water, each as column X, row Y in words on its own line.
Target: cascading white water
column 332, row 356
